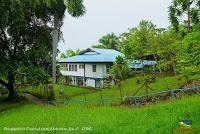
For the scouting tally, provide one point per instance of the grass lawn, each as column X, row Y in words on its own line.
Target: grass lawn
column 68, row 90
column 129, row 87
column 161, row 118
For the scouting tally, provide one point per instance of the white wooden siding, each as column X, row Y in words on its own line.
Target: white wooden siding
column 100, row 70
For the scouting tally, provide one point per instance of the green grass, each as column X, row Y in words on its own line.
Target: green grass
column 4, row 105
column 129, row 87
column 68, row 90
column 161, row 118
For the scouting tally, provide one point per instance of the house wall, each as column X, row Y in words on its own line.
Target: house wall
column 90, row 82
column 100, row 70
column 89, row 74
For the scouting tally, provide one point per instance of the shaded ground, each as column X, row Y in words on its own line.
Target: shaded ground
column 32, row 99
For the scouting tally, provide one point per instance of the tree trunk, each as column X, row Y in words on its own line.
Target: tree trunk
column 189, row 17
column 10, row 86
column 174, row 68
column 12, row 94
column 155, row 58
column 55, row 44
column 120, row 90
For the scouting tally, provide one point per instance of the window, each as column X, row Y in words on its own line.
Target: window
column 81, row 66
column 94, row 68
column 75, row 66
column 108, row 67
column 70, row 67
column 66, row 65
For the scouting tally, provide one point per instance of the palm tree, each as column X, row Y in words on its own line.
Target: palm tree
column 110, row 41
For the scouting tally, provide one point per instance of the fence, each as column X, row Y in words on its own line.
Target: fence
column 132, row 100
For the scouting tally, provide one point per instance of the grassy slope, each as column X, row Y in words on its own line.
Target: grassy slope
column 68, row 90
column 130, row 86
column 155, row 119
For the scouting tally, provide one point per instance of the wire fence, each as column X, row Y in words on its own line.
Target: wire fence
column 130, row 100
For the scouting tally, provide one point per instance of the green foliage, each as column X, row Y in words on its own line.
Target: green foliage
column 75, row 7
column 189, row 55
column 36, row 76
column 25, row 38
column 181, row 7
column 70, row 53
column 120, row 69
column 167, row 46
column 138, row 41
column 109, row 41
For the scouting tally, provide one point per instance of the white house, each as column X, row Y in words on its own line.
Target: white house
column 90, row 67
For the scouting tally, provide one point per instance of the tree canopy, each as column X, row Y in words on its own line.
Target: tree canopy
column 179, row 8
column 25, row 38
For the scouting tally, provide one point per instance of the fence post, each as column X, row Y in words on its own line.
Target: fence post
column 190, row 92
column 102, row 102
column 173, row 94
column 63, row 97
column 135, row 101
column 85, row 98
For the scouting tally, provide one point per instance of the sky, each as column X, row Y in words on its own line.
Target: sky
column 106, row 16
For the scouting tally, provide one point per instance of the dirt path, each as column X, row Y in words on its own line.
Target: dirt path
column 32, row 98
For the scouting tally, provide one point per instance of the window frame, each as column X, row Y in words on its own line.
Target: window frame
column 75, row 67
column 94, row 68
column 108, row 67
column 70, row 67
column 66, row 67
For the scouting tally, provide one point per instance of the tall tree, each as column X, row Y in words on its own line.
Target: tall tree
column 76, row 9
column 179, row 8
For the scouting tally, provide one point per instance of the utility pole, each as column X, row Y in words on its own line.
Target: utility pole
column 84, row 76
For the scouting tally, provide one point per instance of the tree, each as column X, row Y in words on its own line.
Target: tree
column 181, row 7
column 138, row 41
column 165, row 46
column 119, row 72
column 109, row 41
column 24, row 38
column 76, row 9
column 147, row 39
column 189, row 55
column 70, row 53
